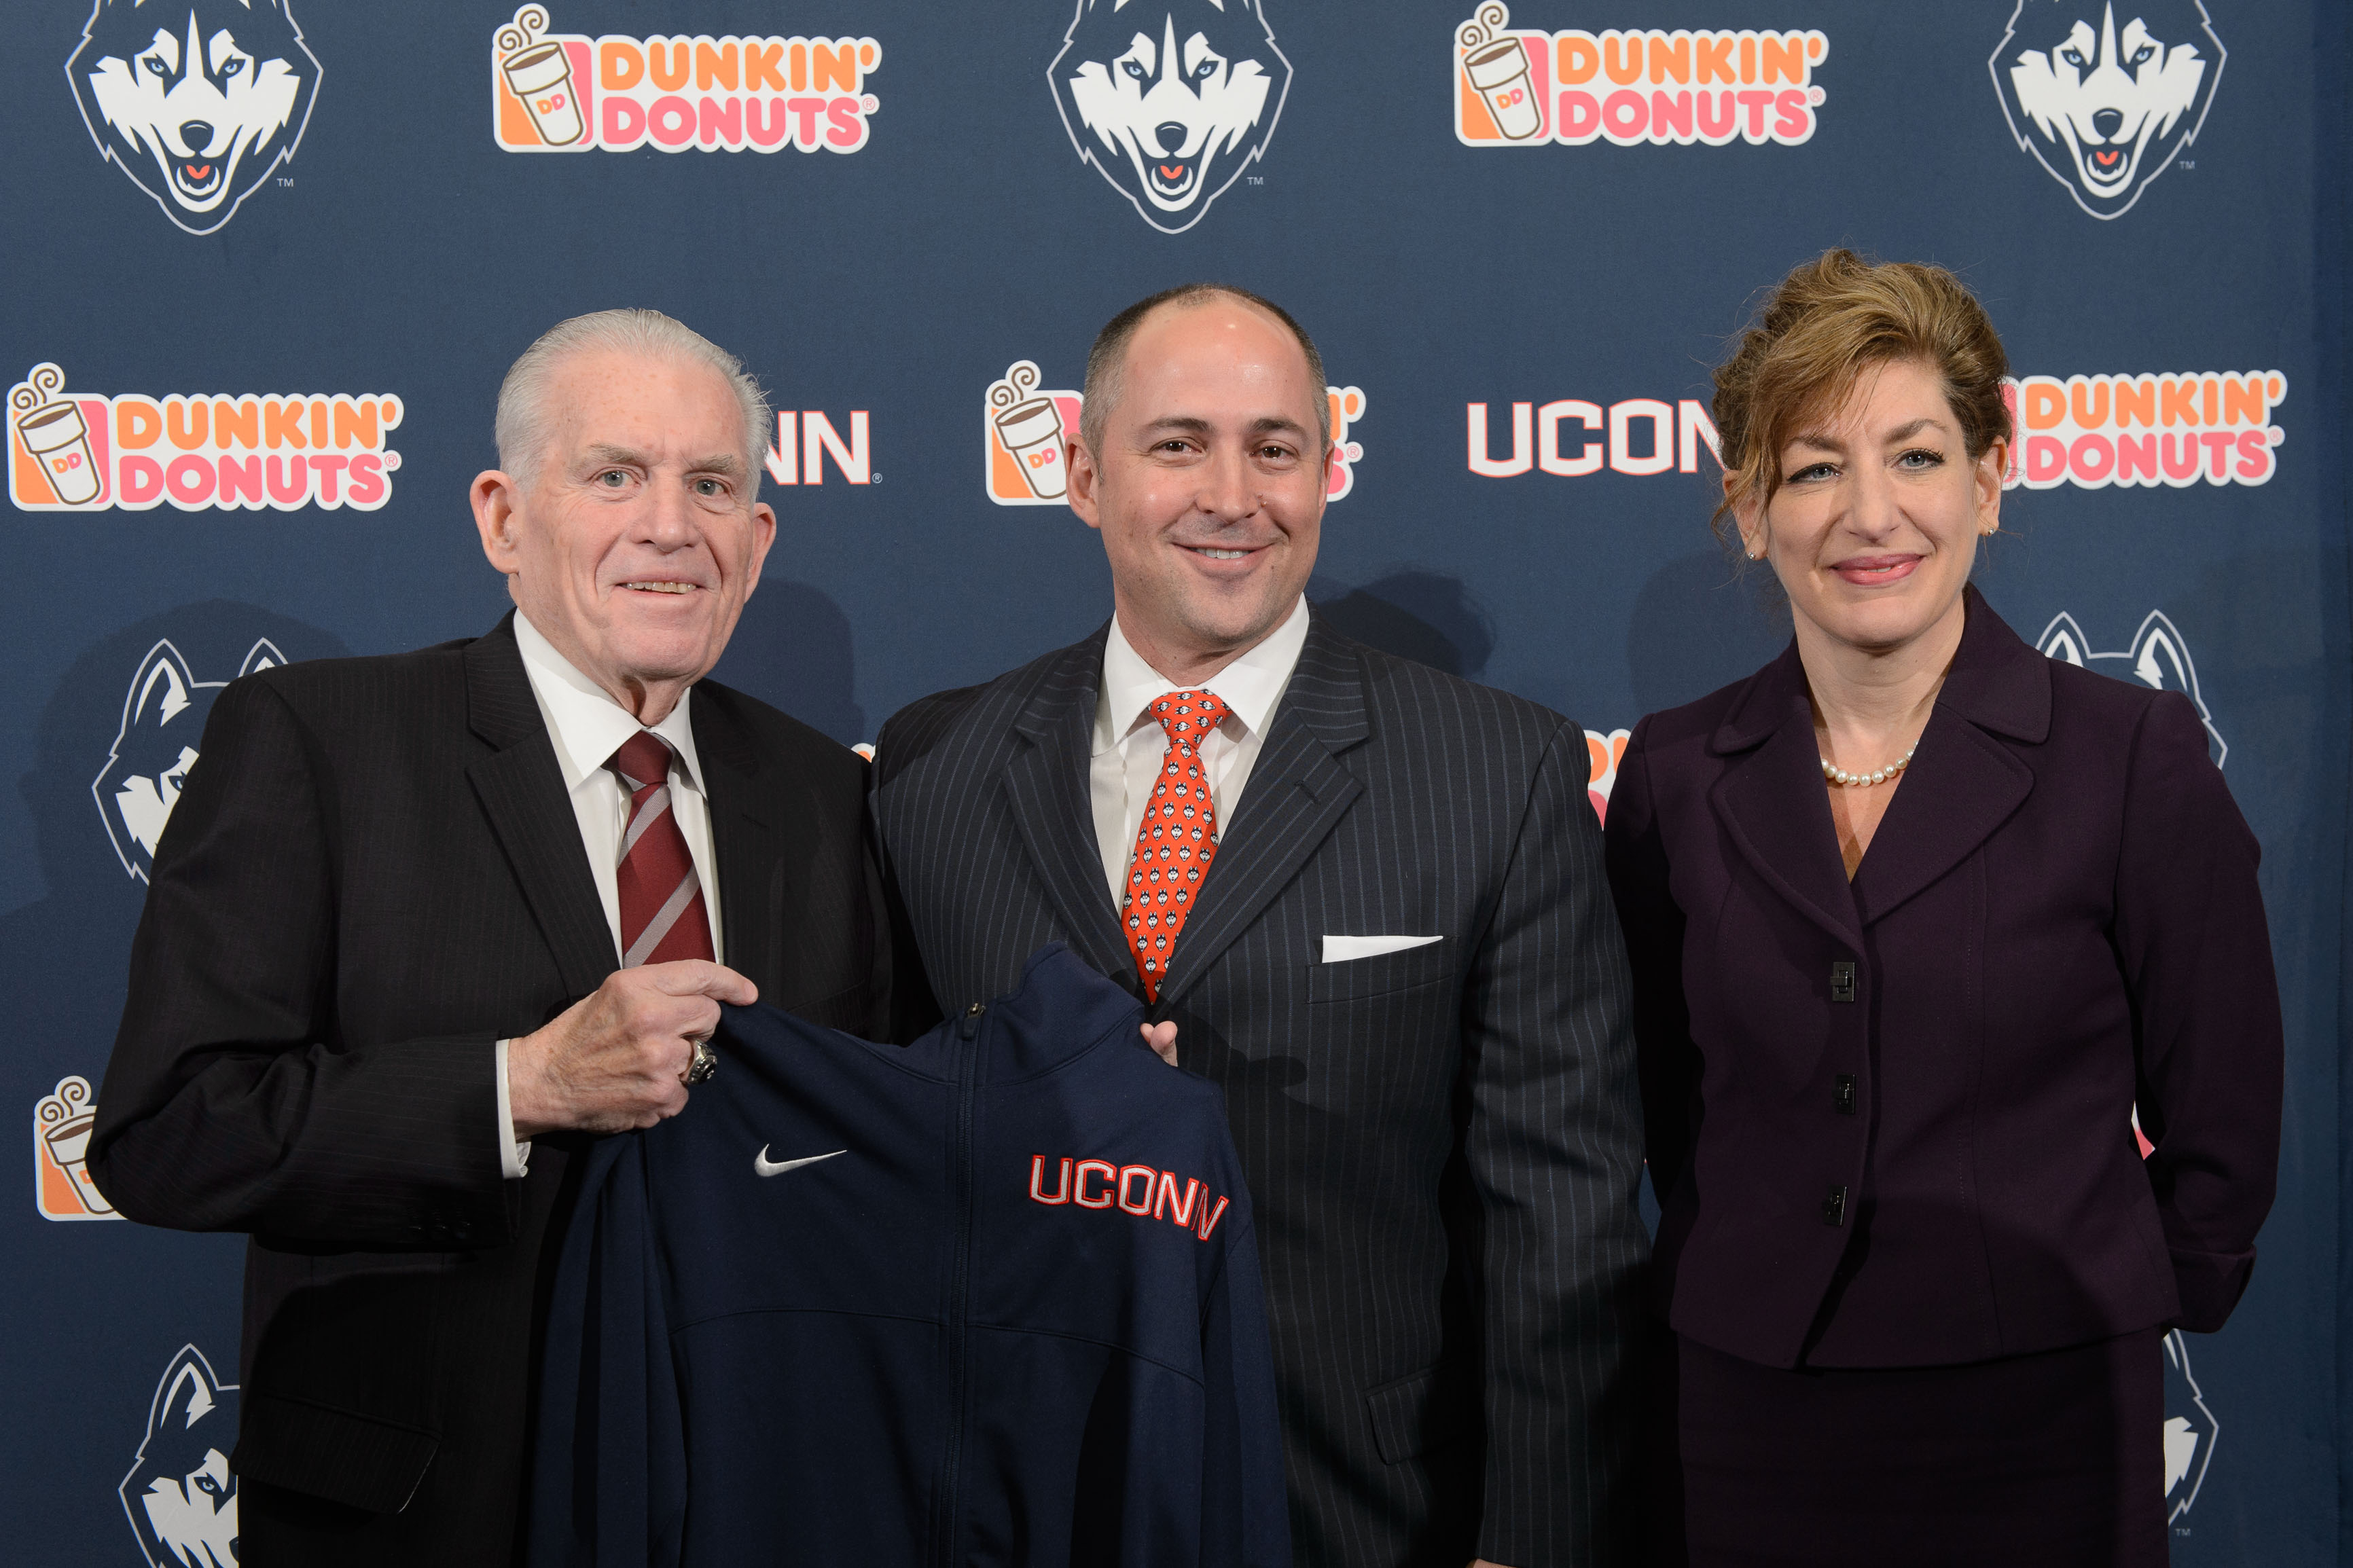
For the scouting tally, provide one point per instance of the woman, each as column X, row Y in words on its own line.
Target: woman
column 1918, row 918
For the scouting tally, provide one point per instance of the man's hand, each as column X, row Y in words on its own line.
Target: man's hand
column 1162, row 1039
column 617, row 1059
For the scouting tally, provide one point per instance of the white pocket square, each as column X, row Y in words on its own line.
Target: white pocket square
column 1341, row 949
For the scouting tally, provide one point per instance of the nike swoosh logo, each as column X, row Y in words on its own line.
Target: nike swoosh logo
column 767, row 1167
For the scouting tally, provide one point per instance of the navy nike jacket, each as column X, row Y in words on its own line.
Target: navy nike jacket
column 991, row 1298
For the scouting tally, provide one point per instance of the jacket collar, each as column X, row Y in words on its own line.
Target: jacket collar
column 521, row 791
column 1298, row 793
column 1996, row 682
column 1962, row 785
column 1047, row 789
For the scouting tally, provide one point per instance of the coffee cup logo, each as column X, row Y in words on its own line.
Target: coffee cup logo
column 1496, row 63
column 62, row 1120
column 1029, row 427
column 53, row 431
column 540, row 76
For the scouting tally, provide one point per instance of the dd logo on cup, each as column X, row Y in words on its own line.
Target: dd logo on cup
column 540, row 76
column 1029, row 428
column 52, row 430
column 1497, row 67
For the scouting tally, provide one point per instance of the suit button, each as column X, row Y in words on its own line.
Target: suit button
column 1834, row 1207
column 1842, row 1097
column 1842, row 981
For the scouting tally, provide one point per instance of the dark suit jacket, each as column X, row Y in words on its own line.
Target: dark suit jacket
column 373, row 874
column 1441, row 1142
column 2057, row 920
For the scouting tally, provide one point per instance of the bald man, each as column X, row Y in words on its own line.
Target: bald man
column 1371, row 897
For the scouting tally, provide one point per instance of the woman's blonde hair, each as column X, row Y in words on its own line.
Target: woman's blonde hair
column 1830, row 319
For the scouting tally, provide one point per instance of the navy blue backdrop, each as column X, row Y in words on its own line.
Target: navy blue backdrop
column 263, row 299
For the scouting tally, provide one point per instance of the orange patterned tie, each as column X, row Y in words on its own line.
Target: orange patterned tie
column 1177, row 839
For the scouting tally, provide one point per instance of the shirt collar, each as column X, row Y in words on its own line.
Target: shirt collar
column 585, row 724
column 1251, row 686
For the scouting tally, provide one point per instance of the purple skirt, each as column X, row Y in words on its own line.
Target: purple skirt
column 2053, row 1458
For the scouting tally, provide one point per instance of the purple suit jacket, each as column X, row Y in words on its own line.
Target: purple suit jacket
column 1889, row 1120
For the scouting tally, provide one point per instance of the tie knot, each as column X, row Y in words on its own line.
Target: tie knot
column 1188, row 716
column 642, row 759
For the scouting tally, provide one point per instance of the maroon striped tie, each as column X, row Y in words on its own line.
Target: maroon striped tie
column 663, row 914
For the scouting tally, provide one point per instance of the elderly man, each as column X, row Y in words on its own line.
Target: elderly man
column 1372, row 896
column 420, row 920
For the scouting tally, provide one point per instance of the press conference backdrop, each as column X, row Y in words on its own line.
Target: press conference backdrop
column 268, row 262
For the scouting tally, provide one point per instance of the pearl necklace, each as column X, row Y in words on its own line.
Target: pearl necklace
column 1839, row 775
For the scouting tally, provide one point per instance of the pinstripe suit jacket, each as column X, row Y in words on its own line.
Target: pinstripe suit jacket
column 1442, row 1143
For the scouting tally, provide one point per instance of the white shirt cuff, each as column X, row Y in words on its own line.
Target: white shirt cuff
column 514, row 1158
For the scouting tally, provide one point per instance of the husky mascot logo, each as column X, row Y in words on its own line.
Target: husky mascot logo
column 2157, row 658
column 2106, row 100
column 1170, row 100
column 197, row 100
column 163, row 723
column 180, row 1494
column 2189, row 1429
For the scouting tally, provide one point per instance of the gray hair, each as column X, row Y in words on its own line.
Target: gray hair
column 525, row 422
column 1107, row 360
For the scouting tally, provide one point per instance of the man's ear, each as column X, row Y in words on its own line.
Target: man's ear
column 496, row 499
column 763, row 534
column 1080, row 465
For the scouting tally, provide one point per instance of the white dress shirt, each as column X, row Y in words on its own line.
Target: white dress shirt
column 1129, row 743
column 586, row 727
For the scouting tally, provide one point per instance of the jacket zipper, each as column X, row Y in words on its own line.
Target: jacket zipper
column 960, row 1287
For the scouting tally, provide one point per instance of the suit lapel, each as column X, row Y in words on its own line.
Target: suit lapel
column 521, row 791
column 763, row 824
column 1296, row 794
column 1047, row 787
column 1963, row 783
column 1771, row 800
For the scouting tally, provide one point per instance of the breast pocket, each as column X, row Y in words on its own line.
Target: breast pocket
column 1357, row 978
column 1383, row 1032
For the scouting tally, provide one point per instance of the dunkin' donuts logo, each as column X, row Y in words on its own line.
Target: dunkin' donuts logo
column 62, row 1120
column 1603, row 754
column 199, row 451
column 2173, row 428
column 1633, row 86
column 567, row 92
column 1023, row 430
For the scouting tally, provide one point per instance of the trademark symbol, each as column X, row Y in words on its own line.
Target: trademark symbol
column 285, row 180
column 2189, row 164
column 873, row 478
column 1257, row 179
